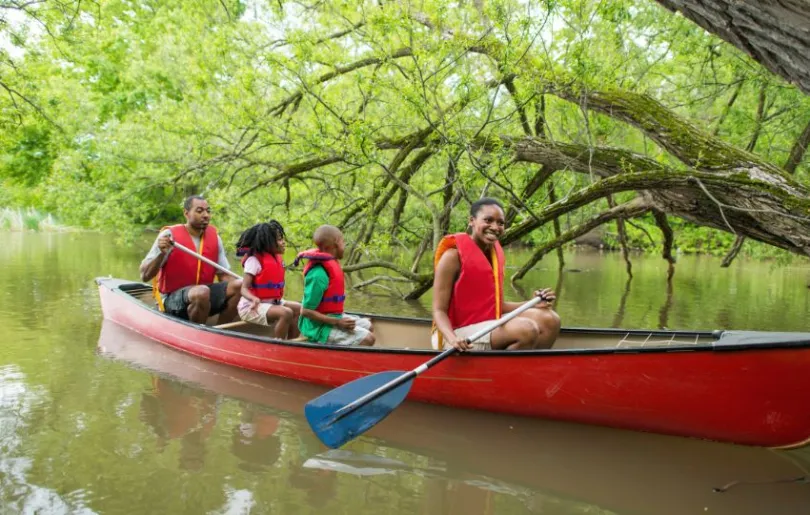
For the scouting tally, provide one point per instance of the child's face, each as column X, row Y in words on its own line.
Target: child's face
column 282, row 245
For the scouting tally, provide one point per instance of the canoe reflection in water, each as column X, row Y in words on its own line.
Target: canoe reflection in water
column 254, row 440
column 177, row 411
column 452, row 461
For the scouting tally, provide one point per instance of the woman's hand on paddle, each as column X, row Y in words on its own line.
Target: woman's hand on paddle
column 548, row 296
column 345, row 324
column 459, row 343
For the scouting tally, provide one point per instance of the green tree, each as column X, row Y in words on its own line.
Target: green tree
column 388, row 119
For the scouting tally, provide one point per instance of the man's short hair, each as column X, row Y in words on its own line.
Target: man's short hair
column 190, row 200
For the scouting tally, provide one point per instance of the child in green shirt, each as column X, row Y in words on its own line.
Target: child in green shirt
column 322, row 319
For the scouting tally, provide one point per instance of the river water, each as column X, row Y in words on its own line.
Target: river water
column 97, row 419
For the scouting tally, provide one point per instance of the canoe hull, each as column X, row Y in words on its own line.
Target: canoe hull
column 754, row 396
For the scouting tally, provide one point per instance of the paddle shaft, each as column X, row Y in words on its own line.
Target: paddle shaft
column 407, row 376
column 205, row 260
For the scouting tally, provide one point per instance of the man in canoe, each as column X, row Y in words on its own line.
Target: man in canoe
column 468, row 290
column 322, row 318
column 185, row 286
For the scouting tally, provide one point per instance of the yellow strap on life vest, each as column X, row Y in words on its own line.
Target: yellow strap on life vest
column 445, row 244
column 495, row 268
column 156, row 294
column 199, row 261
column 155, row 290
column 496, row 278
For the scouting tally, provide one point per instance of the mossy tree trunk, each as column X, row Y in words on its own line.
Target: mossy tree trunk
column 774, row 32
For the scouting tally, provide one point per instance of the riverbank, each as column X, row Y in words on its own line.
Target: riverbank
column 18, row 220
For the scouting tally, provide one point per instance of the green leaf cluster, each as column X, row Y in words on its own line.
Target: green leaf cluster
column 115, row 111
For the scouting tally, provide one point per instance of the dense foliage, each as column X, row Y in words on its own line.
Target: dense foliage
column 386, row 118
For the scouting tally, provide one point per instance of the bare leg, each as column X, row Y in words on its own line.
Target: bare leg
column 368, row 341
column 296, row 311
column 517, row 334
column 232, row 295
column 199, row 304
column 548, row 326
column 283, row 317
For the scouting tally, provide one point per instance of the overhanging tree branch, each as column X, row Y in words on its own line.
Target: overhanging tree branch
column 633, row 208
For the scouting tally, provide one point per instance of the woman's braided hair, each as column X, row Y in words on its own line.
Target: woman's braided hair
column 260, row 238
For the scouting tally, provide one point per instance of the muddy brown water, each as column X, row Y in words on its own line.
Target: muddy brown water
column 97, row 419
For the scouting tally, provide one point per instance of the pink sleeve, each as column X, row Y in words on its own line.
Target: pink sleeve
column 252, row 266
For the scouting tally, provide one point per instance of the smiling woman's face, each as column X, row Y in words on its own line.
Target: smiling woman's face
column 488, row 225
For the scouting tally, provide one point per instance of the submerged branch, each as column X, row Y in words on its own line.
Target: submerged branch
column 669, row 239
column 387, row 265
column 732, row 253
column 378, row 279
column 634, row 208
column 622, row 238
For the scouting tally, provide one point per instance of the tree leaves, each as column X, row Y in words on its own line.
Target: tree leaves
column 298, row 110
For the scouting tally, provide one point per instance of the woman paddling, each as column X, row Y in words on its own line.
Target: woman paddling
column 468, row 290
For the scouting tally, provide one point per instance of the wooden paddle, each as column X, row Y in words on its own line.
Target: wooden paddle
column 205, row 259
column 218, row 267
column 348, row 411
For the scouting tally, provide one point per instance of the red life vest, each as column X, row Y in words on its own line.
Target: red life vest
column 335, row 294
column 269, row 284
column 182, row 270
column 478, row 292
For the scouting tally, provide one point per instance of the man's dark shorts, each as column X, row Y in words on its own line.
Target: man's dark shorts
column 176, row 303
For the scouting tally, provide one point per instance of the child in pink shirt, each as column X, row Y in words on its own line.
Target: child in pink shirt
column 262, row 249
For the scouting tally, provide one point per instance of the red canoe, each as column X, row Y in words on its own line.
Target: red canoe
column 734, row 386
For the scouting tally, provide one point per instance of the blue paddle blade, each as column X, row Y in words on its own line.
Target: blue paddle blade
column 320, row 412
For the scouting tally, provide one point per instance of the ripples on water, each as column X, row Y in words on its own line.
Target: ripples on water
column 96, row 419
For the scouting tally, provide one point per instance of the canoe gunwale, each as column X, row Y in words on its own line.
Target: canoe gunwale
column 736, row 341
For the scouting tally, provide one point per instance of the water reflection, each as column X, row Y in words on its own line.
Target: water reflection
column 175, row 411
column 525, row 291
column 254, row 440
column 319, row 484
column 618, row 319
column 433, row 460
column 663, row 313
column 445, row 491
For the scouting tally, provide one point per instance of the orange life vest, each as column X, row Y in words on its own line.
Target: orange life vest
column 182, row 270
column 478, row 292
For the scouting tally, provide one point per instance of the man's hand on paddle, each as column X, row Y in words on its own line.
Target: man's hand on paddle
column 165, row 244
column 548, row 296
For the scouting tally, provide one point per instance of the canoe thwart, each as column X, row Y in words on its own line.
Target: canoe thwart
column 238, row 323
